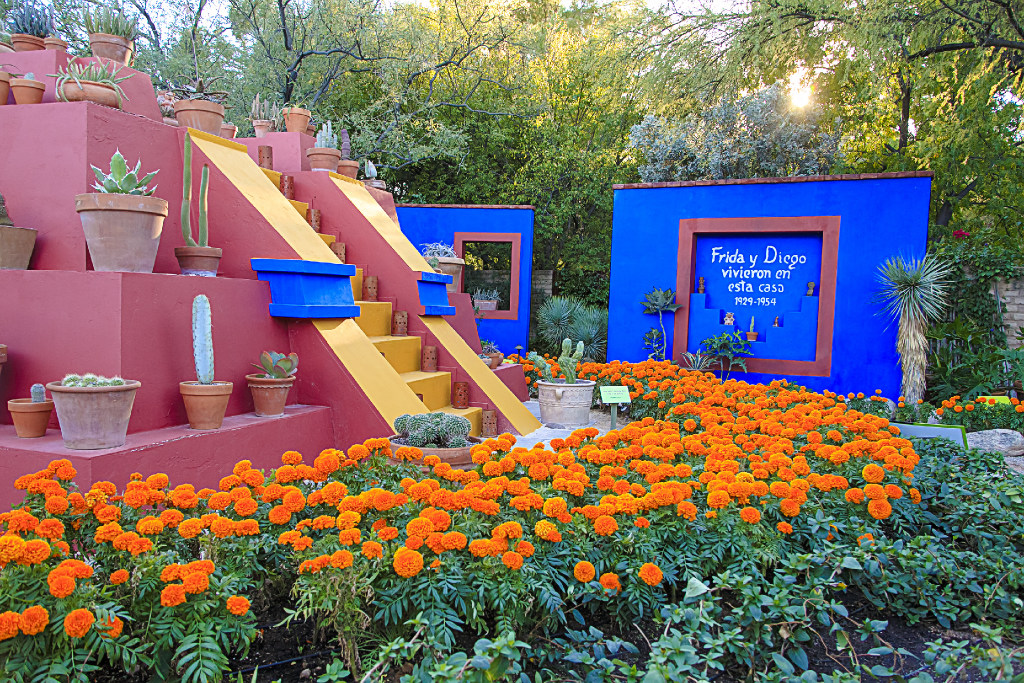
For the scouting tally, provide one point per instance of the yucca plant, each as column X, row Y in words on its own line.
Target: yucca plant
column 554, row 317
column 913, row 293
column 590, row 326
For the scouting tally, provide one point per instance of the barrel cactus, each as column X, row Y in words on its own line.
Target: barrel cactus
column 433, row 430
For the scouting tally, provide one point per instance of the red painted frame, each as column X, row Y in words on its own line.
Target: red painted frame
column 513, row 295
column 827, row 226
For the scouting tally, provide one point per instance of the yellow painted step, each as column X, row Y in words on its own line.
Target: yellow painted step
column 300, row 207
column 402, row 352
column 474, row 415
column 434, row 387
column 328, row 239
column 375, row 318
column 274, row 176
column 357, row 287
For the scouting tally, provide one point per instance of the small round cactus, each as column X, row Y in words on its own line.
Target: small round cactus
column 38, row 393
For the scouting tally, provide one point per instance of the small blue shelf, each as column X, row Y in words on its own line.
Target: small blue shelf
column 308, row 289
column 433, row 293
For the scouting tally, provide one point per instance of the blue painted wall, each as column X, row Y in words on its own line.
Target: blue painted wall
column 432, row 224
column 879, row 218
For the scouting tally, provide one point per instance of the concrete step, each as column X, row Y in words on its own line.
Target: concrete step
column 374, row 318
column 434, row 387
column 402, row 352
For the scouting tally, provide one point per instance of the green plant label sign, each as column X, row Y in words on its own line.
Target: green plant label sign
column 615, row 395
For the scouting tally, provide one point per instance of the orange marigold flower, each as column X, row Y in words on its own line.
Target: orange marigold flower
column 605, row 525
column 872, row 473
column 650, row 574
column 35, row 552
column 512, row 560
column 10, row 625
column 584, row 572
column 119, row 577
column 407, row 563
column 784, row 527
column 238, row 605
column 196, row 582
column 750, row 515
column 342, row 559
column 610, row 581
column 879, row 509
column 61, row 585
column 190, row 528
column 372, row 550
column 718, row 499
column 291, row 458
column 112, row 628
column 172, row 595
column 78, row 622
column 34, row 620
column 855, row 495
column 790, row 507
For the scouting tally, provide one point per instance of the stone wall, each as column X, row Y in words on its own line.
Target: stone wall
column 1011, row 294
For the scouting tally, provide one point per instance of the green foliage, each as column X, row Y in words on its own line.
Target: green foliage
column 110, row 20
column 91, row 380
column 120, row 180
column 433, row 430
column 202, row 339
column 278, row 365
column 729, row 349
column 105, row 73
column 31, row 20
column 562, row 317
column 659, row 302
column 486, row 294
column 186, row 199
column 568, row 362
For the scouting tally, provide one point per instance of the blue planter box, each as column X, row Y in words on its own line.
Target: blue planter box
column 308, row 289
column 433, row 293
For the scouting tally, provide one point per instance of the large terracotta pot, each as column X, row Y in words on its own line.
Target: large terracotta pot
column 200, row 114
column 122, row 231
column 296, row 119
column 201, row 261
column 261, row 127
column 205, row 404
column 54, row 43
column 457, row 458
column 30, row 419
column 348, row 168
column 27, row 91
column 323, row 158
column 89, row 91
column 16, row 245
column 93, row 417
column 23, row 42
column 115, row 48
column 5, row 85
column 269, row 394
column 565, row 405
column 453, row 267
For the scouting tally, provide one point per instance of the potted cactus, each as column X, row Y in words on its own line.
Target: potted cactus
column 93, row 411
column 206, row 400
column 197, row 257
column 490, row 351
column 200, row 107
column 270, row 386
column 325, row 156
column 347, row 167
column 31, row 415
column 27, row 90
column 122, row 221
column 228, row 130
column 296, row 119
column 16, row 244
column 264, row 116
column 93, row 82
column 112, row 33
column 564, row 402
column 444, row 259
column 442, row 434
column 751, row 335
column 5, row 48
column 30, row 25
column 486, row 299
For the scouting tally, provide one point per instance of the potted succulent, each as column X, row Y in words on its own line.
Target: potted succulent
column 16, row 244
column 31, row 415
column 112, row 33
column 347, row 167
column 493, row 355
column 751, row 335
column 442, row 434
column 200, row 107
column 565, row 402
column 325, row 156
column 165, row 99
column 122, row 221
column 296, row 119
column 443, row 258
column 264, row 116
column 27, row 90
column 486, row 299
column 5, row 47
column 93, row 411
column 206, row 400
column 197, row 257
column 93, row 82
column 30, row 25
column 228, row 130
column 371, row 179
column 270, row 386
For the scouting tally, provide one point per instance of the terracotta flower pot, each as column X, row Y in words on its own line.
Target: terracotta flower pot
column 752, row 336
column 89, row 91
column 348, row 168
column 200, row 114
column 93, row 417
column 6, row 48
column 205, row 404
column 269, row 394
column 115, row 48
column 23, row 42
column 30, row 419
column 228, row 131
column 201, row 261
column 16, row 246
column 428, row 359
column 54, row 43
column 262, row 127
column 567, row 405
column 495, row 360
column 460, row 394
column 400, row 324
column 265, row 156
column 453, row 267
column 457, row 458
column 323, row 158
column 27, row 91
column 288, row 186
column 5, row 86
column 339, row 250
column 311, row 130
column 486, row 304
column 296, row 119
column 489, row 423
column 122, row 231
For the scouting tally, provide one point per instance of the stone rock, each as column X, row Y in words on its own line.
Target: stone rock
column 996, row 441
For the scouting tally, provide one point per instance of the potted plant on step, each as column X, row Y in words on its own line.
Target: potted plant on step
column 325, row 156
column 27, row 90
column 228, row 130
column 55, row 43
column 486, row 299
column 442, row 434
column 196, row 257
column 347, row 167
column 443, row 258
column 200, row 107
column 30, row 25
column 494, row 356
column 5, row 47
column 122, row 221
column 31, row 415
column 296, row 119
column 751, row 335
column 16, row 244
column 93, row 82
column 264, row 116
column 93, row 411
column 564, row 402
column 270, row 386
column 112, row 33
column 206, row 400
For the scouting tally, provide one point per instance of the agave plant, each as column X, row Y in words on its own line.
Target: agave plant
column 590, row 326
column 110, row 20
column 32, row 20
column 121, row 180
column 554, row 317
column 913, row 293
column 199, row 88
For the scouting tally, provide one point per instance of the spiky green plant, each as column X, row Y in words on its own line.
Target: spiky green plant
column 659, row 302
column 554, row 317
column 913, row 292
column 325, row 137
column 186, row 199
column 32, row 20
column 110, row 20
column 38, row 393
column 122, row 181
column 105, row 73
column 590, row 326
column 91, row 380
column 433, row 430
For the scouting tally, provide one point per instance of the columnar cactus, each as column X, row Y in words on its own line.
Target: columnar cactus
column 38, row 393
column 202, row 339
column 346, row 145
column 186, row 199
column 433, row 430
column 326, row 138
column 568, row 360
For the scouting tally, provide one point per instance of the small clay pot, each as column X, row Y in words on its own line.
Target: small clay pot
column 30, row 419
column 296, row 119
column 460, row 394
column 265, row 156
column 16, row 247
column 311, row 130
column 117, row 49
column 205, row 404
column 23, row 42
column 5, row 86
column 489, row 423
column 54, row 43
column 348, row 168
column 201, row 261
column 90, row 91
column 339, row 250
column 370, row 288
column 261, row 128
column 323, row 159
column 27, row 90
column 269, row 394
column 313, row 218
column 495, row 360
column 752, row 336
column 288, row 186
column 400, row 324
column 428, row 359
column 228, row 131
column 200, row 114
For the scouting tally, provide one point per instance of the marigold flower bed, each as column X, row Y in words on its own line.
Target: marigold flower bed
column 526, row 534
